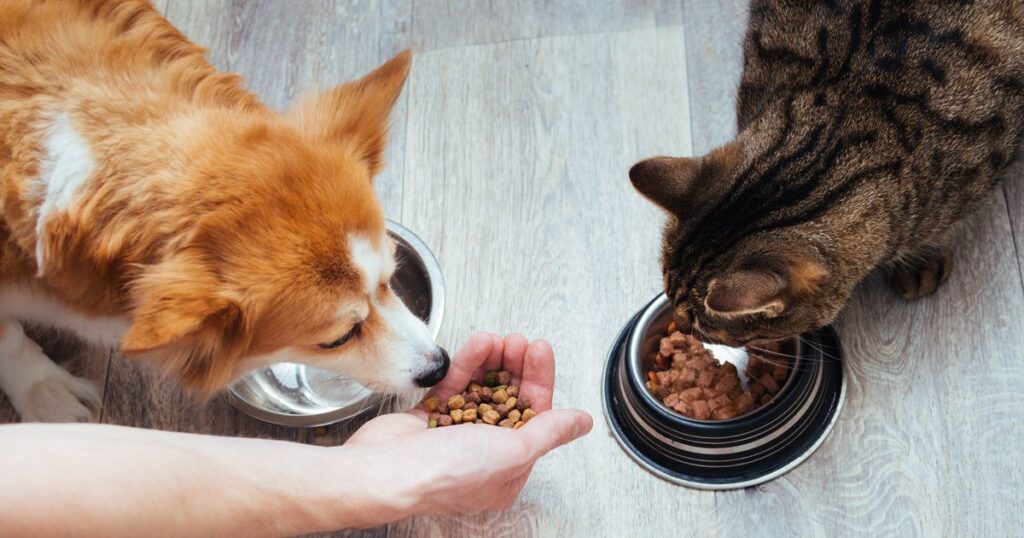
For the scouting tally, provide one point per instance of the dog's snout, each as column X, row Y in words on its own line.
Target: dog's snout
column 440, row 363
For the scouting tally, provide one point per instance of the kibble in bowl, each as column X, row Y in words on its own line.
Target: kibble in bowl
column 496, row 402
column 686, row 377
column 650, row 373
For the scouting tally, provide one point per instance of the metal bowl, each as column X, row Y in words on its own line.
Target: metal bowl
column 727, row 454
column 292, row 394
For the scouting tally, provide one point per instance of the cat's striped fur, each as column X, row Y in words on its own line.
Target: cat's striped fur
column 867, row 129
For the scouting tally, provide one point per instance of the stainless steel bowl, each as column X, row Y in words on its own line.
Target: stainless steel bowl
column 292, row 394
column 726, row 454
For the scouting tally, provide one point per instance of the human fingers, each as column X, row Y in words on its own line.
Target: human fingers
column 538, row 378
column 514, row 355
column 493, row 361
column 475, row 352
column 554, row 428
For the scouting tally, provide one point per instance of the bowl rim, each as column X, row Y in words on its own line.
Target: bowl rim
column 435, row 277
column 634, row 363
column 614, row 361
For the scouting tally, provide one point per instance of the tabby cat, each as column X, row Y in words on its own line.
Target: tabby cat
column 867, row 129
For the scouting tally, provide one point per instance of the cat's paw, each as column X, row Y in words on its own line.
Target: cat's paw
column 922, row 274
column 61, row 397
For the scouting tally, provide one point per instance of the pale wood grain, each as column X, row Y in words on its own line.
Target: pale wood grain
column 395, row 23
column 509, row 157
column 517, row 178
column 714, row 58
column 668, row 12
column 451, row 23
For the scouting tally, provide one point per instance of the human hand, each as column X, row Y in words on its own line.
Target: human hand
column 473, row 467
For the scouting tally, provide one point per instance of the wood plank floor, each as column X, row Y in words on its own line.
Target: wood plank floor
column 509, row 156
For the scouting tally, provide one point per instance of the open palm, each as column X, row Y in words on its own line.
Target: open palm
column 442, row 464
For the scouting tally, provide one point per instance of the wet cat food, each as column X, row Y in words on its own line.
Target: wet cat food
column 688, row 380
column 497, row 402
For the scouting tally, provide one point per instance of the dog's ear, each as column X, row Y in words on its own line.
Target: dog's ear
column 355, row 114
column 183, row 323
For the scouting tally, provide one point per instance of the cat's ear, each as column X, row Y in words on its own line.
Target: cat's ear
column 680, row 184
column 747, row 292
column 766, row 290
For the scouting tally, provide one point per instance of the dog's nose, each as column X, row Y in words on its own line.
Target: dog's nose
column 435, row 376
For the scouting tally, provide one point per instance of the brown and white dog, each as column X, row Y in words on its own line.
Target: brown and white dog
column 151, row 203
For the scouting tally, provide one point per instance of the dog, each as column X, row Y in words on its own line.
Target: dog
column 152, row 204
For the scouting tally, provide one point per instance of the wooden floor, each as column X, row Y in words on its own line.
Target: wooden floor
column 509, row 157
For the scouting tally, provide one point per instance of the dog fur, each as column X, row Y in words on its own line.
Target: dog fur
column 151, row 203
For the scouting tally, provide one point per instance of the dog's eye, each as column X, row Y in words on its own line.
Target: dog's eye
column 352, row 333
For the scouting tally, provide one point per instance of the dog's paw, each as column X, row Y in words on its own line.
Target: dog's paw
column 922, row 275
column 61, row 397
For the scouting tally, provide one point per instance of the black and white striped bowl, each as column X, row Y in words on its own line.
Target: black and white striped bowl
column 726, row 454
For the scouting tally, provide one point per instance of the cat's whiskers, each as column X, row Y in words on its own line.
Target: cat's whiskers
column 819, row 349
column 754, row 379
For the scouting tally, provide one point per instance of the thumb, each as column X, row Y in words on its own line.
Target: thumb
column 552, row 429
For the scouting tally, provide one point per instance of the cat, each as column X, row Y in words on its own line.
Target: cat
column 866, row 130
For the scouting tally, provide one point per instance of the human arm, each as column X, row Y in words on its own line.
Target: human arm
column 110, row 480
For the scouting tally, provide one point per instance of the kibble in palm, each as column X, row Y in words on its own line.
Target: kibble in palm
column 496, row 402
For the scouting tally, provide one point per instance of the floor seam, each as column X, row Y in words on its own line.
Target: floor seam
column 106, row 385
column 408, row 113
column 689, row 94
column 1013, row 237
column 425, row 49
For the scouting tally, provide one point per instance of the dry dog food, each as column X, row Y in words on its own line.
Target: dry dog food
column 497, row 402
column 687, row 379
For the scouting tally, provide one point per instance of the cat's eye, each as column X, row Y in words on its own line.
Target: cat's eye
column 344, row 339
